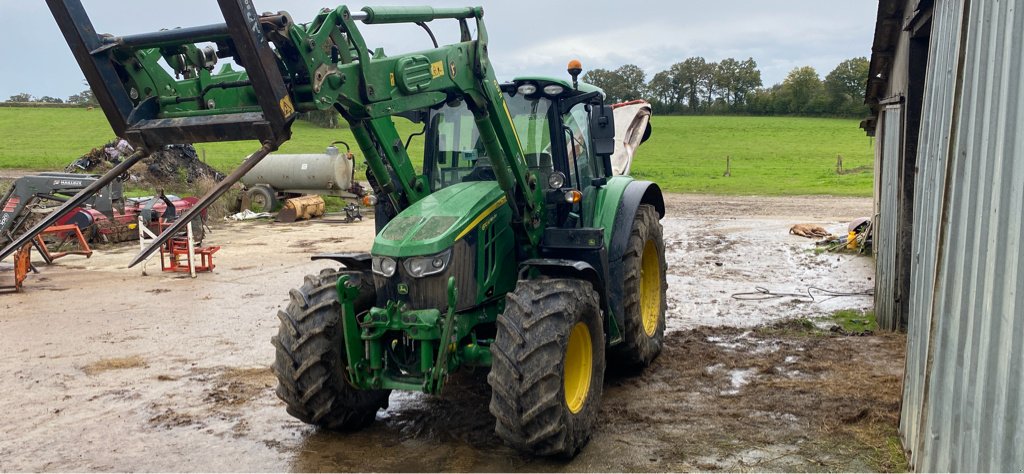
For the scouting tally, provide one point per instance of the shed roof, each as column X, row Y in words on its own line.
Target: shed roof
column 888, row 25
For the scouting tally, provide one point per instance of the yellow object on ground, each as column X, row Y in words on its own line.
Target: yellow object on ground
column 303, row 207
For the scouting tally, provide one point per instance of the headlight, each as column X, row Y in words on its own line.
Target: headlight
column 429, row 265
column 556, row 180
column 553, row 89
column 384, row 266
column 527, row 89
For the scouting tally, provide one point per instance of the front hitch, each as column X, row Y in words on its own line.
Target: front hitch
column 364, row 347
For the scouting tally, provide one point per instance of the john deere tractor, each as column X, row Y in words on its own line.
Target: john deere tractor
column 516, row 248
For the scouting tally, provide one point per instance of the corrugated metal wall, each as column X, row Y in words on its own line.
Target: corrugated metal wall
column 888, row 218
column 962, row 408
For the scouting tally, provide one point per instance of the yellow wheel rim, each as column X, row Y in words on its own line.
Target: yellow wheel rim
column 578, row 366
column 650, row 288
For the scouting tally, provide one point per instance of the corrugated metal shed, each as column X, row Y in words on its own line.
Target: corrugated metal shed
column 963, row 409
column 887, row 222
column 894, row 91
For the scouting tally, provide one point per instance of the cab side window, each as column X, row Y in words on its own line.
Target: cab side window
column 577, row 121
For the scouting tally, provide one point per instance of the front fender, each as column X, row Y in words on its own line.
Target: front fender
column 358, row 262
column 565, row 268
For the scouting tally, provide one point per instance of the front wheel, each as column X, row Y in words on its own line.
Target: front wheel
column 310, row 363
column 547, row 370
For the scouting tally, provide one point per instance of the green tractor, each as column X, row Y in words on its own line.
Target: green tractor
column 450, row 284
column 516, row 247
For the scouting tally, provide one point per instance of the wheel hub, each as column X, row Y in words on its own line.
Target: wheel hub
column 650, row 288
column 578, row 367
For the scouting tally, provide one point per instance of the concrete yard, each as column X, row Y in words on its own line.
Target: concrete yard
column 105, row 369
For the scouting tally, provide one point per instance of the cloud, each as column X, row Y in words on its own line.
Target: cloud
column 777, row 40
column 527, row 36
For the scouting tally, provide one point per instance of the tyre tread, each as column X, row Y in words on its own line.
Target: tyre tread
column 526, row 371
column 309, row 358
column 638, row 350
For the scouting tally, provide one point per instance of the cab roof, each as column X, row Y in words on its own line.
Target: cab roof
column 542, row 81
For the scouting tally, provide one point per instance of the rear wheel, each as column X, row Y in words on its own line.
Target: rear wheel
column 644, row 289
column 310, row 362
column 548, row 365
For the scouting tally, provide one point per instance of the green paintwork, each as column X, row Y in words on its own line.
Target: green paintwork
column 433, row 330
column 347, row 296
column 431, row 224
column 440, row 370
column 600, row 210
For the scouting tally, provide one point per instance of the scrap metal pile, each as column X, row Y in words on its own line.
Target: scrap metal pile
column 106, row 216
column 171, row 165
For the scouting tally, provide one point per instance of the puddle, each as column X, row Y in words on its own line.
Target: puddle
column 707, row 269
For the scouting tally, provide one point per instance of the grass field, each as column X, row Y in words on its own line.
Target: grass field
column 768, row 155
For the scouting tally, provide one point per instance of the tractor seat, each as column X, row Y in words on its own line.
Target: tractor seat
column 482, row 171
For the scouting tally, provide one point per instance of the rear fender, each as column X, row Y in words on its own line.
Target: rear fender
column 635, row 194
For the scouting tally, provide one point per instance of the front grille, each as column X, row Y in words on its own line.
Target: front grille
column 431, row 292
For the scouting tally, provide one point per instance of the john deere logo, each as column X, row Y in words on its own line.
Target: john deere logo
column 403, row 289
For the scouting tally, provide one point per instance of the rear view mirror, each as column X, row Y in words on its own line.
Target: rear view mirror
column 602, row 131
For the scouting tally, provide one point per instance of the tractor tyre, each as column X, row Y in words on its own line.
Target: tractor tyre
column 643, row 292
column 547, row 370
column 310, row 362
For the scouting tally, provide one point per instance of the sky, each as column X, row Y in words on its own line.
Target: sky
column 527, row 37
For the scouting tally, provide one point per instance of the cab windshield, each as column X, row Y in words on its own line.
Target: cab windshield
column 456, row 153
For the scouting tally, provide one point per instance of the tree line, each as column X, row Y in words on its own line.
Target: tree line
column 692, row 86
column 83, row 98
column 696, row 86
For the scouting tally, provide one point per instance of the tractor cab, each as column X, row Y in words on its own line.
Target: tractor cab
column 553, row 124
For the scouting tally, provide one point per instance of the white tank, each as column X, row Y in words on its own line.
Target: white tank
column 327, row 173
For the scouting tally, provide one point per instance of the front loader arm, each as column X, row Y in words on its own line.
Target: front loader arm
column 387, row 86
column 369, row 88
column 290, row 68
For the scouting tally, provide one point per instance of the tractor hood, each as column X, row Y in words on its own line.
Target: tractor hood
column 435, row 222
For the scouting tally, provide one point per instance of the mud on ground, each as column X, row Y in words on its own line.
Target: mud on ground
column 106, row 369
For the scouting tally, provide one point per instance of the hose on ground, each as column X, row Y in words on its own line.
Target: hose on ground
column 761, row 293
